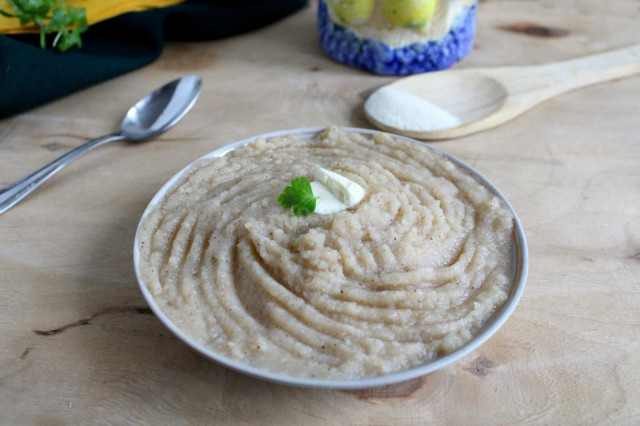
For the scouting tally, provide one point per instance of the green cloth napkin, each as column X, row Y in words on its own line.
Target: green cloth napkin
column 30, row 76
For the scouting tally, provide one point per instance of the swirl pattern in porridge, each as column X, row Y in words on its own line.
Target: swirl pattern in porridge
column 408, row 274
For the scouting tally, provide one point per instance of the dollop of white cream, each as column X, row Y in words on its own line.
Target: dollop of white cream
column 334, row 192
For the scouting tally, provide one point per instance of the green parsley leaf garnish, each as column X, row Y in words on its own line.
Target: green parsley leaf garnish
column 298, row 197
column 51, row 17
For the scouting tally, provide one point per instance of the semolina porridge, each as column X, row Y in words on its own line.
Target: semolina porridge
column 411, row 272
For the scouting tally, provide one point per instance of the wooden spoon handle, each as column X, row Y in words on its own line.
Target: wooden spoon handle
column 555, row 78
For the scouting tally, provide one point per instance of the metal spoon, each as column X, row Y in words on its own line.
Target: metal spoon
column 152, row 115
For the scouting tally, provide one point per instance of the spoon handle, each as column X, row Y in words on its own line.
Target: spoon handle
column 553, row 79
column 13, row 193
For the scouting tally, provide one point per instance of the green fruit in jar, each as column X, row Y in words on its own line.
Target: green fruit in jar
column 353, row 11
column 409, row 13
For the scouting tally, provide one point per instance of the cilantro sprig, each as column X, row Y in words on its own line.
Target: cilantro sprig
column 51, row 17
column 298, row 197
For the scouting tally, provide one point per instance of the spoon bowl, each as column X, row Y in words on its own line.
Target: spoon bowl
column 483, row 98
column 450, row 91
column 161, row 109
column 154, row 114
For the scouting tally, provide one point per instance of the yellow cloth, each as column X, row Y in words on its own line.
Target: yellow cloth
column 97, row 10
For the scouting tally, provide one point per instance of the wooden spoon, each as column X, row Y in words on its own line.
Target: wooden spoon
column 483, row 98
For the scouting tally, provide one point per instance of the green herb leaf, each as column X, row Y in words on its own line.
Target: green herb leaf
column 298, row 197
column 51, row 17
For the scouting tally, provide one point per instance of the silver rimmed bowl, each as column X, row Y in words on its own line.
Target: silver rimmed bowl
column 518, row 275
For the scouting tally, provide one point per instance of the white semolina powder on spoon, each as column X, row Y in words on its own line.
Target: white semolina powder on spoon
column 404, row 111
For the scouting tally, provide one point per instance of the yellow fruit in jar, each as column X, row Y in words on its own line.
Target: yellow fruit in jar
column 409, row 13
column 353, row 11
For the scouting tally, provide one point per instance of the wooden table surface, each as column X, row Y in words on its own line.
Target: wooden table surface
column 79, row 345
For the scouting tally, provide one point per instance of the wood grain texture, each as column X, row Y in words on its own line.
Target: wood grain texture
column 77, row 345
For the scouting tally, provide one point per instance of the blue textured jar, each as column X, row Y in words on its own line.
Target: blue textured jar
column 344, row 43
